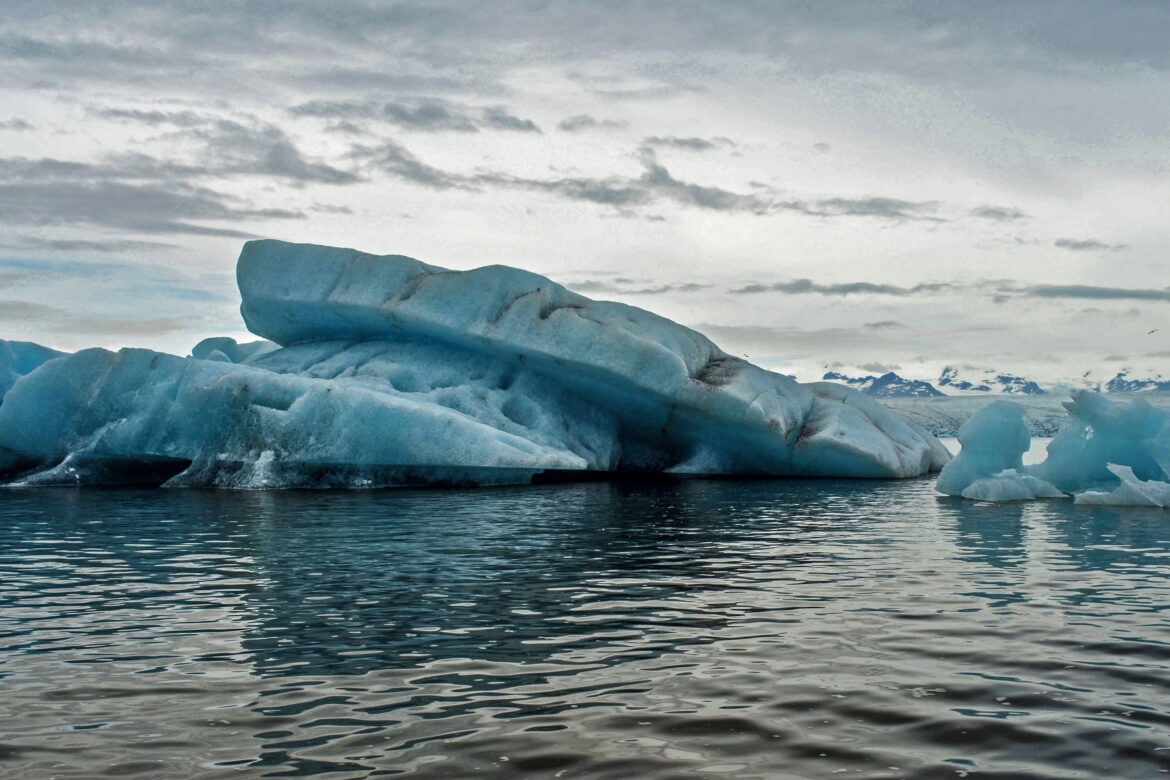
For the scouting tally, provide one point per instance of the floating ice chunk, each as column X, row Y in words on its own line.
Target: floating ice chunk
column 18, row 358
column 1009, row 485
column 1102, row 432
column 990, row 466
column 1110, row 454
column 1131, row 492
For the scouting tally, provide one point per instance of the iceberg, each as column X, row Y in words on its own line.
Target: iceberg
column 990, row 466
column 383, row 370
column 1108, row 454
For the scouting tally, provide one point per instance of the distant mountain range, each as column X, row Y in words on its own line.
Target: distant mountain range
column 987, row 382
column 888, row 385
column 968, row 381
column 1123, row 383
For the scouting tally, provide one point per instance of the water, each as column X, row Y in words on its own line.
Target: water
column 702, row 628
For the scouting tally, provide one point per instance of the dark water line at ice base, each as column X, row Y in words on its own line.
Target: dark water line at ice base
column 698, row 628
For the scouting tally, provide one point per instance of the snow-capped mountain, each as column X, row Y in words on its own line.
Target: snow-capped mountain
column 968, row 380
column 888, row 385
column 1124, row 382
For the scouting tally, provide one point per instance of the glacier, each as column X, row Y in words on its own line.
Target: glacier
column 380, row 370
column 1109, row 453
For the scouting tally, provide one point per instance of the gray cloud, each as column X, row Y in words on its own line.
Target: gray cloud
column 880, row 368
column 997, row 213
column 263, row 150
column 15, row 124
column 15, row 311
column 807, row 286
column 497, row 118
column 788, row 339
column 229, row 148
column 887, row 208
column 884, row 325
column 628, row 287
column 402, row 46
column 1097, row 293
column 394, row 159
column 427, row 115
column 176, row 118
column 1087, row 245
column 139, row 282
column 332, row 77
column 122, row 326
column 625, row 194
column 579, row 122
column 655, row 183
column 84, row 245
column 54, row 192
column 692, row 143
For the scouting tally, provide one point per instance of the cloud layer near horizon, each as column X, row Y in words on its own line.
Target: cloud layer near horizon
column 837, row 165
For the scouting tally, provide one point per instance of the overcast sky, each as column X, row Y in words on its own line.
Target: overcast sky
column 888, row 184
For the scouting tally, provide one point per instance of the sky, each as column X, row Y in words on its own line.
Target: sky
column 881, row 186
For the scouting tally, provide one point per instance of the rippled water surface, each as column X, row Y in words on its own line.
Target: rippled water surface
column 698, row 628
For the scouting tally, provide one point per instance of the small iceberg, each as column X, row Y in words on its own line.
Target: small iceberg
column 1109, row 454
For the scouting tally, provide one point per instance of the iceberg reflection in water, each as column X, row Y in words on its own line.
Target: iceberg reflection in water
column 596, row 629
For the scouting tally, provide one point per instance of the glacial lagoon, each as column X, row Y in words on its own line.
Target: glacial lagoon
column 669, row 628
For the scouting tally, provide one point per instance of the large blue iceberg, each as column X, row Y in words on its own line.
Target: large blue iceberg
column 383, row 370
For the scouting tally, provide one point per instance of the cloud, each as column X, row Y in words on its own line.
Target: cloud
column 228, row 148
column 579, row 122
column 393, row 158
column 335, row 78
column 655, row 183
column 822, row 147
column 264, row 150
column 84, row 245
column 1097, row 293
column 153, row 117
column 997, row 213
column 758, row 338
column 625, row 193
column 122, row 326
column 692, row 143
column 879, row 368
column 628, row 287
column 15, row 124
column 884, row 325
column 887, row 208
column 1087, row 245
column 16, row 311
column 807, row 286
column 497, row 118
column 158, row 208
column 423, row 115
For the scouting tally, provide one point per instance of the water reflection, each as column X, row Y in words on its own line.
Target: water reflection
column 620, row 628
column 991, row 534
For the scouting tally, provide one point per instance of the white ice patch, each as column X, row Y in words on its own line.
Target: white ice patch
column 1131, row 492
